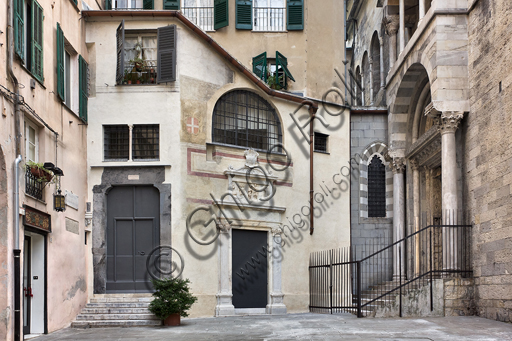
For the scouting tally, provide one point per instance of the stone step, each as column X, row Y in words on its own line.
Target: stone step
column 94, row 317
column 113, row 310
column 115, row 323
column 137, row 295
column 118, row 305
column 121, row 299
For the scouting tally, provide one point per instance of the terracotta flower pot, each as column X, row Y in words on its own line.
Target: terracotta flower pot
column 41, row 174
column 173, row 320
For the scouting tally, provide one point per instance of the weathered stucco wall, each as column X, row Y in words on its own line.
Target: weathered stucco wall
column 487, row 156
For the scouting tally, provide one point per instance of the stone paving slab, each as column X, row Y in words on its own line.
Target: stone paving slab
column 303, row 327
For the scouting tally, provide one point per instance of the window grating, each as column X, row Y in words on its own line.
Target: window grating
column 33, row 186
column 145, row 142
column 116, row 142
column 320, row 142
column 376, row 188
column 243, row 118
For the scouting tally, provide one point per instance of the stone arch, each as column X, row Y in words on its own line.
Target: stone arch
column 359, row 97
column 365, row 72
column 375, row 54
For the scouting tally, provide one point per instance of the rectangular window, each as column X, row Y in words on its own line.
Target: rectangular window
column 145, row 142
column 32, row 50
column 320, row 143
column 67, row 78
column 31, row 142
column 116, row 142
column 127, row 4
column 200, row 12
column 269, row 15
column 140, row 58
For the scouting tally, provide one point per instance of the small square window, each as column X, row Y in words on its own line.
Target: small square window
column 116, row 142
column 145, row 142
column 320, row 143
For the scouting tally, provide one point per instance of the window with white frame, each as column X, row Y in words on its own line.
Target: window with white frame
column 269, row 15
column 127, row 4
column 200, row 12
column 140, row 58
column 31, row 142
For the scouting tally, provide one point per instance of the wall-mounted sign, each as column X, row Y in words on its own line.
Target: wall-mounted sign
column 37, row 219
column 71, row 199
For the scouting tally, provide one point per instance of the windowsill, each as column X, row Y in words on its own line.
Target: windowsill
column 131, row 164
column 132, row 161
column 151, row 84
column 31, row 75
column 262, row 31
column 36, row 199
column 243, row 148
column 321, row 152
column 69, row 109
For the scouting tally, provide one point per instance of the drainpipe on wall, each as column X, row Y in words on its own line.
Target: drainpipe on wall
column 16, row 203
column 312, row 112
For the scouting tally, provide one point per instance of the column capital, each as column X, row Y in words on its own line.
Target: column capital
column 415, row 165
column 398, row 165
column 391, row 22
column 381, row 41
column 449, row 121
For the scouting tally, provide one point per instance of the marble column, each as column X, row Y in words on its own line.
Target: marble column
column 416, row 200
column 370, row 60
column 447, row 125
column 401, row 12
column 398, row 165
column 276, row 305
column 382, row 75
column 391, row 22
column 422, row 10
column 225, row 305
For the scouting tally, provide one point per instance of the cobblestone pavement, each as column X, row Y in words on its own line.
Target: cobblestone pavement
column 303, row 327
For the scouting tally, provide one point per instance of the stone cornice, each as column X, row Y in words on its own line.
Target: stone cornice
column 426, row 150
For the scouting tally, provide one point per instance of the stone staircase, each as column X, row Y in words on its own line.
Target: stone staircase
column 117, row 310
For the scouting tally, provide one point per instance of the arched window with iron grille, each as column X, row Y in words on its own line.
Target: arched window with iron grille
column 376, row 188
column 243, row 118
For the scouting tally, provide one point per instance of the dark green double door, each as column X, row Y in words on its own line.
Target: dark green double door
column 132, row 233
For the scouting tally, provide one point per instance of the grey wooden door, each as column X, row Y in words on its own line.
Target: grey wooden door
column 249, row 264
column 132, row 232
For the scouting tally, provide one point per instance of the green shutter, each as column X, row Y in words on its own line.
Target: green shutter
column 172, row 4
column 295, row 11
column 166, row 54
column 37, row 41
column 60, row 63
column 282, row 67
column 19, row 29
column 244, row 14
column 148, row 4
column 220, row 14
column 108, row 4
column 259, row 66
column 120, row 53
column 83, row 87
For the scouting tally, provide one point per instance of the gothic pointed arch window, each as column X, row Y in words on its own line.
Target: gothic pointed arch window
column 376, row 188
column 243, row 118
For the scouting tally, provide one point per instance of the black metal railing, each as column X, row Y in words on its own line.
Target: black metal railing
column 340, row 283
column 269, row 19
column 201, row 16
column 140, row 75
column 33, row 185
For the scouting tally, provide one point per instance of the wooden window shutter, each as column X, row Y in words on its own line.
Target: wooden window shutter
column 172, row 4
column 37, row 41
column 148, row 4
column 166, row 54
column 295, row 11
column 60, row 63
column 220, row 14
column 244, row 14
column 120, row 53
column 282, row 66
column 19, row 29
column 108, row 4
column 259, row 66
column 83, row 87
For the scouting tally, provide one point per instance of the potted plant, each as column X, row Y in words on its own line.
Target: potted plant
column 39, row 172
column 171, row 300
column 274, row 82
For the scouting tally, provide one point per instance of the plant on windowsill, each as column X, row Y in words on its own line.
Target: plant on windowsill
column 274, row 82
column 171, row 300
column 40, row 173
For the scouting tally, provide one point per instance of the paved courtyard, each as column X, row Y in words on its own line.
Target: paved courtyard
column 303, row 327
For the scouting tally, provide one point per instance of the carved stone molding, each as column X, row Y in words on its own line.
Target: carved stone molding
column 449, row 121
column 414, row 164
column 431, row 111
column 391, row 22
column 398, row 165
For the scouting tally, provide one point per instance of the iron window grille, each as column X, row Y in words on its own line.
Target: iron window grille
column 33, row 187
column 145, row 142
column 116, row 142
column 245, row 119
column 320, row 143
column 376, row 188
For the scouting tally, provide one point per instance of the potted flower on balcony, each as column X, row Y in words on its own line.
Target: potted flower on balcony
column 171, row 300
column 39, row 172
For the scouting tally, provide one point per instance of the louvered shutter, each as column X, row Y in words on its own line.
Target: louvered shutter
column 83, row 87
column 282, row 66
column 19, row 29
column 220, row 14
column 244, row 14
column 172, row 4
column 166, row 54
column 295, row 11
column 60, row 63
column 108, row 4
column 37, row 41
column 120, row 53
column 259, row 66
column 148, row 4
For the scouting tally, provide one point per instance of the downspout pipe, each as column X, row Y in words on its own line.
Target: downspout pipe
column 14, row 80
column 17, row 251
column 312, row 112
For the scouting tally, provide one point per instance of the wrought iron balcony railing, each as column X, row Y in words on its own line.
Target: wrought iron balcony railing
column 201, row 16
column 269, row 19
column 33, row 185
